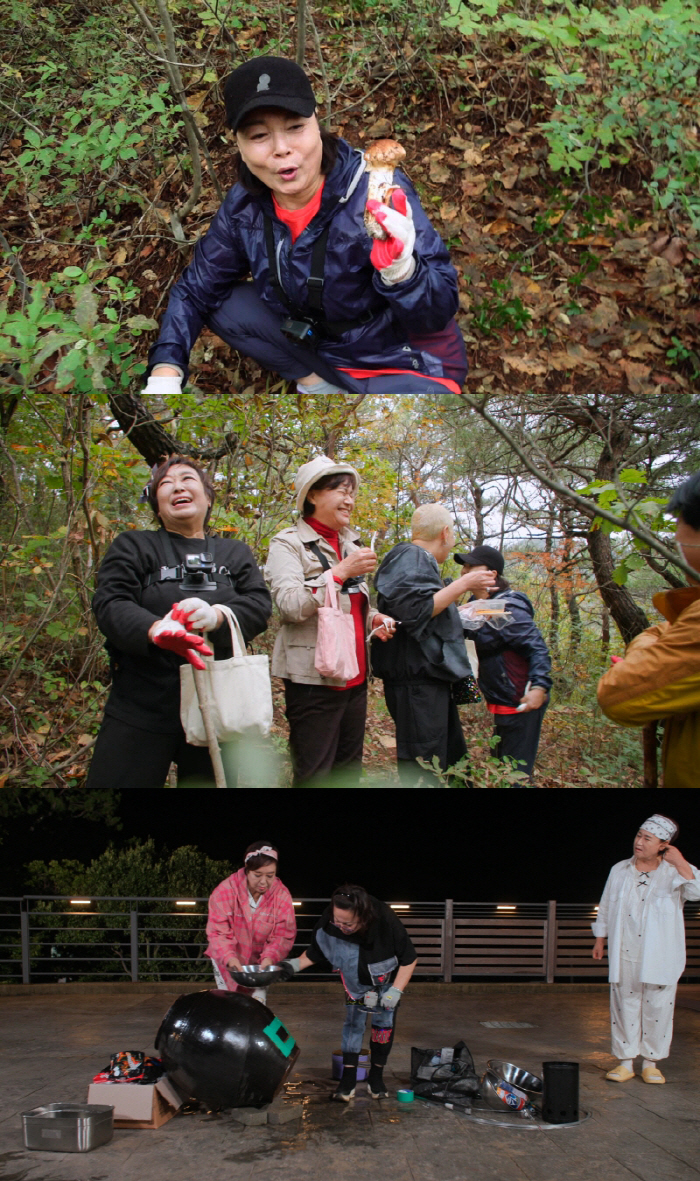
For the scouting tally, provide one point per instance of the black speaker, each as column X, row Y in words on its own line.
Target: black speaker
column 560, row 1092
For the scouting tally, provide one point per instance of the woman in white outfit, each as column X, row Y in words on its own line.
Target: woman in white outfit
column 641, row 914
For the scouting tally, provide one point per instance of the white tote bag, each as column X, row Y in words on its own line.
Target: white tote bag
column 240, row 693
column 336, row 654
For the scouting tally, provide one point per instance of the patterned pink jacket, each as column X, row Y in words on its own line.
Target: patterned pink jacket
column 268, row 932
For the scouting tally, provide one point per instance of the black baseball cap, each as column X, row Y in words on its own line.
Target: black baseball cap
column 267, row 82
column 482, row 555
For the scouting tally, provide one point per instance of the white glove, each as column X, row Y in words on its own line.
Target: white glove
column 370, row 999
column 163, row 385
column 393, row 256
column 166, row 624
column 201, row 616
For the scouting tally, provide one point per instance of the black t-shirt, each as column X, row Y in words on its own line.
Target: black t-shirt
column 146, row 679
column 385, row 937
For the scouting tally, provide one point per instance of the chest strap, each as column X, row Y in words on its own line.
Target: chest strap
column 314, row 286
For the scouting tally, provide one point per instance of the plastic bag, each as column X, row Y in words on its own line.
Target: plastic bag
column 452, row 1082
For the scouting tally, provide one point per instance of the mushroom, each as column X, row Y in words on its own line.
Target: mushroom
column 381, row 158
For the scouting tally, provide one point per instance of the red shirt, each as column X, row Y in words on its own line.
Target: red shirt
column 358, row 606
column 298, row 219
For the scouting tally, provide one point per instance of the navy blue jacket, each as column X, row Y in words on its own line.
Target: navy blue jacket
column 234, row 247
column 522, row 636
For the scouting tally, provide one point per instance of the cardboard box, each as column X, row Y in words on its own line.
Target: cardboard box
column 137, row 1105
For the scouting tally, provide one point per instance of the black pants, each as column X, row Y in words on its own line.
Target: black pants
column 427, row 724
column 125, row 756
column 326, row 730
column 519, row 737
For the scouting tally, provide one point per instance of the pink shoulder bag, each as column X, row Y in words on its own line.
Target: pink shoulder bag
column 336, row 655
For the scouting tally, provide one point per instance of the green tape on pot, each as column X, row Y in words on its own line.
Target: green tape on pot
column 273, row 1032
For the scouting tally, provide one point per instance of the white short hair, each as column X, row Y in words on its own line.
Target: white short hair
column 429, row 520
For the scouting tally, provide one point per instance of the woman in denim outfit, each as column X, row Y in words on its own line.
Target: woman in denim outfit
column 369, row 947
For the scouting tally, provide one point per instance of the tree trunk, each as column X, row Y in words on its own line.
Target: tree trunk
column 629, row 618
column 478, row 498
column 576, row 629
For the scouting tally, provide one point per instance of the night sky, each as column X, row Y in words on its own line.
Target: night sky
column 512, row 846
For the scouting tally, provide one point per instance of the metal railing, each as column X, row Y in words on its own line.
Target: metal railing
column 51, row 938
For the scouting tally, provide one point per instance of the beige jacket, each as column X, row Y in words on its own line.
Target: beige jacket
column 297, row 584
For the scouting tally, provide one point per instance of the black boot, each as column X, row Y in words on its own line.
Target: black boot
column 346, row 1087
column 378, row 1056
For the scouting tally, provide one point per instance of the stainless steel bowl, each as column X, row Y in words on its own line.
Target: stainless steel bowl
column 253, row 976
column 490, row 1096
column 517, row 1076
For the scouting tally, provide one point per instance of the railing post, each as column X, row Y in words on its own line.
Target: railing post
column 24, row 940
column 448, row 942
column 550, row 955
column 134, row 943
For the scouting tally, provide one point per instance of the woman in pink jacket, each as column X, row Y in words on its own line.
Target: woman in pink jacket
column 251, row 918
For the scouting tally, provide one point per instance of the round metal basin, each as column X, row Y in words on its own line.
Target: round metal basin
column 517, row 1076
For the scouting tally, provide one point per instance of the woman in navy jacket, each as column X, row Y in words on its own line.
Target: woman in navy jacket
column 328, row 306
column 514, row 663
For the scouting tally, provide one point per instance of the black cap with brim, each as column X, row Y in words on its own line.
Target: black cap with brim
column 482, row 555
column 267, row 82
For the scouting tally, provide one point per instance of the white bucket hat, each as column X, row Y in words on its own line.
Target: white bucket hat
column 321, row 466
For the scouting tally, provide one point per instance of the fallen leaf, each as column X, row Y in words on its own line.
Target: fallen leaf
column 460, row 144
column 530, row 365
column 472, row 157
column 509, row 176
column 449, row 211
column 387, row 741
column 500, row 226
column 642, row 348
column 119, row 256
column 380, row 128
column 575, row 357
column 638, row 375
column 84, row 739
column 474, row 186
column 439, row 174
column 514, row 126
column 674, row 252
column 658, row 273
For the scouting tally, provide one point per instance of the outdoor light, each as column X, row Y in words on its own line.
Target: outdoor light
column 184, row 902
column 399, row 906
column 505, row 908
column 80, row 901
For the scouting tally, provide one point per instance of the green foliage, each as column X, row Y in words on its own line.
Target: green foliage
column 645, row 511
column 500, row 310
column 622, row 83
column 170, row 943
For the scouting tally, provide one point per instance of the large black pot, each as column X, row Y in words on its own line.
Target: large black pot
column 225, row 1049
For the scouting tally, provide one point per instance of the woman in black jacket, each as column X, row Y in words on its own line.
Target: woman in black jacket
column 369, row 947
column 144, row 575
column 514, row 663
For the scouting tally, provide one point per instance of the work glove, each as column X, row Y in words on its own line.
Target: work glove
column 370, row 999
column 164, row 385
column 393, row 256
column 288, row 968
column 171, row 635
column 195, row 614
column 391, row 998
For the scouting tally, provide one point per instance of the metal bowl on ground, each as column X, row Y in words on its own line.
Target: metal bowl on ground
column 517, row 1076
column 488, row 1089
column 253, row 976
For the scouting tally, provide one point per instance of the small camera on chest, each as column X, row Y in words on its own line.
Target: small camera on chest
column 198, row 569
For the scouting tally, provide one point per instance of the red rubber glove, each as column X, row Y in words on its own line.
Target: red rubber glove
column 172, row 636
column 616, row 659
column 393, row 256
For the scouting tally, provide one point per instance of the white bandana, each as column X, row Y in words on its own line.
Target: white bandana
column 660, row 826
